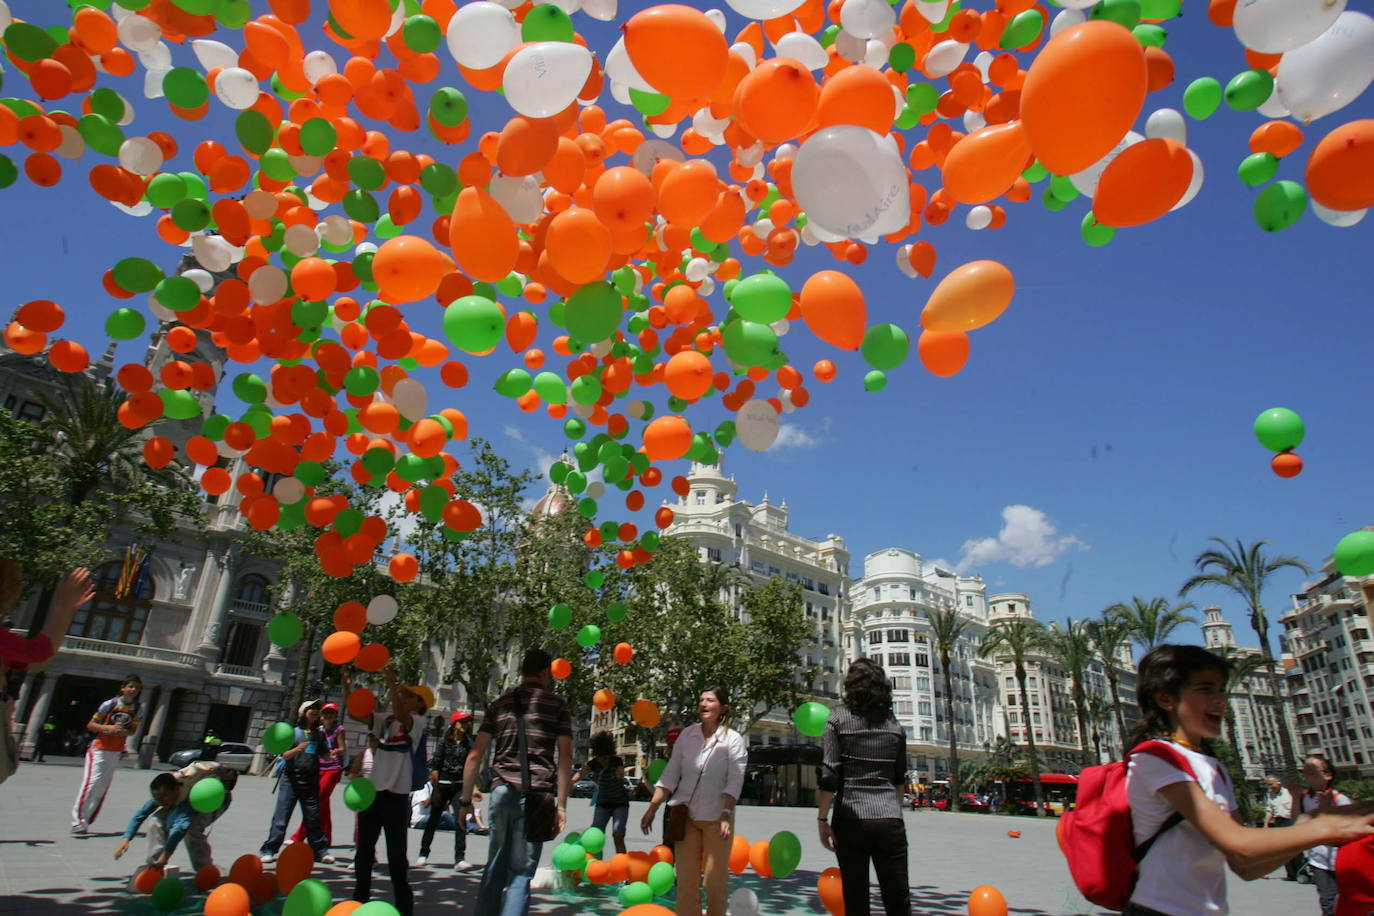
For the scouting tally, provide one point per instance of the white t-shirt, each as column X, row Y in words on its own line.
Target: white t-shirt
column 1183, row 874
column 392, row 770
column 1323, row 857
column 711, row 768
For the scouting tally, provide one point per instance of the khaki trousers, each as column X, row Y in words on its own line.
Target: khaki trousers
column 702, row 851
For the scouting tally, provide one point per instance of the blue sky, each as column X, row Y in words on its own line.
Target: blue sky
column 1114, row 398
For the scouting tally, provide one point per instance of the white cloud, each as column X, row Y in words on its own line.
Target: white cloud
column 792, row 436
column 1027, row 538
column 515, row 433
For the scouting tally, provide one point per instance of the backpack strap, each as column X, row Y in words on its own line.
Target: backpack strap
column 1166, row 752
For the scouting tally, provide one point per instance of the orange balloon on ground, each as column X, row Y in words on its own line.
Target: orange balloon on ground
column 341, row 647
column 228, row 900
column 1143, row 183
column 578, row 245
column 408, row 268
column 831, row 890
column 666, row 438
column 739, row 854
column 482, row 236
column 147, row 879
column 647, row 909
column 1340, row 170
column 832, row 305
column 983, row 165
column 986, row 901
column 343, row 908
column 943, row 353
column 969, row 297
column 857, row 95
column 245, row 870
column 1082, row 94
column 294, row 865
column 677, row 49
column 777, row 100
column 758, row 857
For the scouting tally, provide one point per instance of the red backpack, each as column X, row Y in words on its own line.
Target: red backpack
column 1096, row 837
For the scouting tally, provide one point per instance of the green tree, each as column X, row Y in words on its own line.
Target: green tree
column 1243, row 667
column 1099, row 713
column 1151, row 621
column 1019, row 639
column 1245, row 570
column 1072, row 647
column 947, row 626
column 766, row 671
column 1109, row 633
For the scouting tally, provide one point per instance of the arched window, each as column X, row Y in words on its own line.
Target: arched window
column 252, row 590
column 110, row 616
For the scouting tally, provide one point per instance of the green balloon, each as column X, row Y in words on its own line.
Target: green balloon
column 1160, row 9
column 361, row 381
column 207, row 795
column 586, row 389
column 593, row 312
column 318, row 136
column 366, row 172
column 276, row 164
column 433, row 498
column 168, row 892
column 589, row 635
column 902, row 57
column 438, row 179
column 1150, row 36
column 284, row 629
column 546, row 22
column 656, row 768
column 874, row 381
column 1354, row 555
column 1279, row 429
column 649, row 103
column 9, row 172
column 558, row 472
column 179, row 405
column 594, row 579
column 635, row 894
column 421, row 34
column 1122, row 12
column 185, row 88
column 885, row 346
column 474, row 324
column 137, row 275
column 593, row 840
column 560, row 615
column 278, row 737
column 100, row 133
column 762, row 297
column 750, row 343
column 190, row 214
column 1051, row 202
column 125, row 324
column 362, row 206
column 348, row 522
column 449, row 108
column 412, row 468
column 1202, row 98
column 1095, row 233
column 376, row 908
column 28, row 42
column 1023, row 29
column 249, row 388
column 649, row 540
column 378, row 460
column 254, row 131
column 233, row 14
column 513, row 383
column 1249, row 89
column 1062, row 187
column 615, row 612
column 312, row 474
column 1257, row 168
column 108, row 104
column 1280, row 205
column 551, row 388
column 784, row 853
column 1035, row 172
column 309, row 898
column 359, row 795
column 922, row 98
column 810, row 719
column 661, row 878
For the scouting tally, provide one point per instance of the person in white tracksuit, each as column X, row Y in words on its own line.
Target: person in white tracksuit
column 114, row 721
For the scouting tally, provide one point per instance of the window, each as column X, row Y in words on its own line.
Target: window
column 899, row 636
column 720, row 498
column 927, row 734
column 252, row 590
column 701, row 497
column 925, row 707
column 899, row 659
column 739, row 531
column 877, row 593
column 912, row 592
column 713, row 553
column 1011, row 683
column 241, row 648
column 901, row 682
column 923, row 683
column 968, row 601
column 903, row 707
column 922, row 660
column 31, row 411
column 808, row 584
column 112, row 615
column 774, row 571
column 823, row 587
column 874, row 637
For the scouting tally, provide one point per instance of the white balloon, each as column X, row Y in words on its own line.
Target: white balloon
column 307, row 165
column 635, row 410
column 903, row 258
column 1338, row 218
column 158, row 310
column 852, row 181
column 1273, row 106
column 850, row 47
column 764, row 9
column 974, row 120
column 696, row 270
column 706, row 124
column 663, row 131
column 212, row 54
column 933, row 10
column 717, row 19
column 596, row 489
column 1167, row 123
column 1279, row 26
column 1086, row 180
column 944, row 57
column 260, row 204
column 212, row 252
column 622, row 70
column 875, row 54
column 544, row 78
column 804, row 49
column 158, row 57
column 520, row 197
column 152, row 83
column 1066, row 19
column 411, row 399
column 128, row 116
column 867, row 18
column 140, row 155
column 620, row 92
column 480, row 34
column 288, row 490
column 980, row 217
column 236, row 88
column 744, row 902
column 756, row 425
column 983, row 62
column 200, row 278
column 301, row 240
column 1194, row 183
column 601, row 10
column 139, row 33
column 707, row 287
column 746, row 52
column 5, row 17
column 751, row 155
column 317, row 65
column 267, row 284
column 72, row 145
column 652, row 152
column 382, row 609
column 1329, row 72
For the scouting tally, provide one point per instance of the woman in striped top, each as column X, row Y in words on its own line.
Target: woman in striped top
column 862, row 774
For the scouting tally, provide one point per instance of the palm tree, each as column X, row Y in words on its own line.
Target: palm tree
column 1099, row 713
column 1021, row 638
column 1244, row 570
column 1243, row 667
column 1109, row 634
column 946, row 626
column 1150, row 622
column 1073, row 648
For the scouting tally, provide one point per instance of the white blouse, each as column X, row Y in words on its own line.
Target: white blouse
column 720, row 762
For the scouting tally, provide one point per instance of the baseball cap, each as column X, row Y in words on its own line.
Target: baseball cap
column 459, row 717
column 424, row 693
column 308, row 704
column 330, row 707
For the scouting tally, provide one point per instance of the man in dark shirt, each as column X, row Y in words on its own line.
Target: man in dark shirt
column 511, row 859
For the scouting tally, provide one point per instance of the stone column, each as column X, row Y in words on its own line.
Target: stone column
column 152, row 730
column 38, row 714
column 218, row 607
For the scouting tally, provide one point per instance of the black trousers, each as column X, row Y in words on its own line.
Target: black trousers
column 389, row 813
column 445, row 794
column 883, row 843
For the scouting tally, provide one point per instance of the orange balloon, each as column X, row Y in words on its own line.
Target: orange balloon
column 857, row 95
column 560, row 668
column 372, row 657
column 603, row 699
column 340, row 647
column 688, row 192
column 147, row 879
column 983, row 165
column 41, row 315
column 343, row 908
column 294, row 865
column 777, row 100
column 207, row 877
column 1082, row 94
column 620, row 867
column 662, row 854
column 361, row 703
column 623, row 198
column 645, row 713
column 666, row 438
column 404, row 567
column 637, row 865
column 1143, row 183
column 246, row 869
column 624, row 652
column 68, row 356
column 647, row 909
column 408, row 268
column 229, row 900
column 758, row 857
column 739, row 854
column 943, row 353
column 1340, row 170
column 688, row 374
column 986, row 901
column 969, row 297
column 526, row 144
column 599, row 872
column 578, row 245
column 830, row 887
column 1276, row 137
column 677, row 49
column 832, row 305
column 1286, row 464
column 364, row 20
column 482, row 236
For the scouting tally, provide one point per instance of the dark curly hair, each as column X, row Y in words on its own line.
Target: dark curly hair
column 867, row 691
column 602, row 744
column 1166, row 669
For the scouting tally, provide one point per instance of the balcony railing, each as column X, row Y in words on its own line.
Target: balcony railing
column 251, row 609
column 238, row 671
column 127, row 650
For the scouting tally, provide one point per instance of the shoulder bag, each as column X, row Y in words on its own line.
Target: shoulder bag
column 541, row 808
column 679, row 815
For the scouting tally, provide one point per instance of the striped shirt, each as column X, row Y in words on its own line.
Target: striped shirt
column 547, row 719
column 862, row 761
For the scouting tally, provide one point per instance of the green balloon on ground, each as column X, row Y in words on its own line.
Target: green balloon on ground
column 784, row 852
column 1354, row 555
column 278, row 737
column 593, row 840
column 1202, row 98
column 636, row 893
column 810, row 718
column 284, row 630
column 885, row 346
column 560, row 615
column 359, row 795
column 309, row 898
column 376, row 908
column 593, row 312
column 1249, row 89
column 206, row 795
column 1279, row 429
column 589, row 635
column 656, row 769
column 474, row 324
column 1280, row 205
column 661, row 878
column 168, row 892
column 1257, row 168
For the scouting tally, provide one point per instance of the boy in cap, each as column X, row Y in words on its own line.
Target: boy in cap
column 173, row 818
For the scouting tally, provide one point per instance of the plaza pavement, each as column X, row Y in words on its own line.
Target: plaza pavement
column 45, row 870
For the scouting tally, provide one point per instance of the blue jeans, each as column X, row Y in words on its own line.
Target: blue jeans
column 615, row 815
column 293, row 790
column 511, row 859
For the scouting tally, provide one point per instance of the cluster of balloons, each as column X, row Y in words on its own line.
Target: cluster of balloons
column 1281, row 430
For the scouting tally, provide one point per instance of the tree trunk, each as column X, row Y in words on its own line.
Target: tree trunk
column 953, row 740
column 1030, row 742
column 307, row 647
column 1097, row 744
column 1290, row 762
column 1080, row 702
column 1116, row 708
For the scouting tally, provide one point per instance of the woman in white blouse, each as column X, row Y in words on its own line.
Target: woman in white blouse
column 705, row 773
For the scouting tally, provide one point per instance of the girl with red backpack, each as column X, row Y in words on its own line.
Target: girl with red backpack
column 1189, row 818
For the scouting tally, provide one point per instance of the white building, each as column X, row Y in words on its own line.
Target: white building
column 1256, row 714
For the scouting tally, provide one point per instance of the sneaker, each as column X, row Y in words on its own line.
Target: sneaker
column 422, row 862
column 267, row 858
column 327, row 859
column 464, row 865
column 79, row 828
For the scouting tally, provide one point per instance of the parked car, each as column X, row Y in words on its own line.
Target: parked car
column 638, row 789
column 584, row 788
column 231, row 753
column 967, row 802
